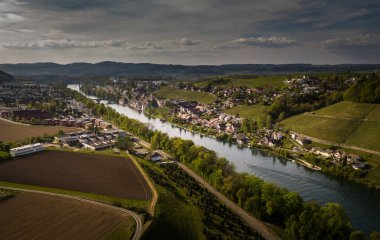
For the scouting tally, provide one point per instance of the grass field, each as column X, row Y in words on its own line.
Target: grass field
column 90, row 173
column 345, row 122
column 179, row 94
column 330, row 129
column 252, row 111
column 347, row 110
column 38, row 216
column 10, row 132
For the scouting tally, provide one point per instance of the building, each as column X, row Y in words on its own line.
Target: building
column 26, row 149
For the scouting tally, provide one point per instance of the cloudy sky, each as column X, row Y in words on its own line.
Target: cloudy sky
column 190, row 31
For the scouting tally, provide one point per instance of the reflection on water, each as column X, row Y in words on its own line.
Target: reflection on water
column 361, row 204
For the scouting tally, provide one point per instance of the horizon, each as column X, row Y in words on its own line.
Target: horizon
column 191, row 33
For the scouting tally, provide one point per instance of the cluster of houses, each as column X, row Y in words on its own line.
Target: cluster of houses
column 271, row 138
column 336, row 157
column 340, row 157
column 94, row 141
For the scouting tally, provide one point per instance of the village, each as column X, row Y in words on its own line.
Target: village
column 36, row 104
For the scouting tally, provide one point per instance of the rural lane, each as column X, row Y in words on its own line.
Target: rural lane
column 135, row 216
column 253, row 222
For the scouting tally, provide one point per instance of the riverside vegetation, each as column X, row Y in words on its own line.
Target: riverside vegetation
column 266, row 201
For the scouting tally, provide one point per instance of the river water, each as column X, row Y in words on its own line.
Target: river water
column 362, row 205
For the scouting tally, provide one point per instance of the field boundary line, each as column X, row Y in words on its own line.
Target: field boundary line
column 13, row 122
column 154, row 198
column 135, row 216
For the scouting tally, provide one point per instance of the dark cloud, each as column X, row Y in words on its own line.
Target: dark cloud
column 156, row 28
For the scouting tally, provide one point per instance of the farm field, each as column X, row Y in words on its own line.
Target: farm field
column 253, row 111
column 179, row 94
column 10, row 132
column 39, row 216
column 345, row 122
column 90, row 173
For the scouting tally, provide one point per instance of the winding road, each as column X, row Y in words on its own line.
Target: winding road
column 135, row 216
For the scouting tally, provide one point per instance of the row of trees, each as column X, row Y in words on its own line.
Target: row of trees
column 302, row 220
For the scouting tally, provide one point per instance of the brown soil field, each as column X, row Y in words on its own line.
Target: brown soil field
column 44, row 217
column 10, row 132
column 92, row 173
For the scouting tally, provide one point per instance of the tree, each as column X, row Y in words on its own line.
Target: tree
column 241, row 196
column 375, row 236
column 357, row 235
column 123, row 143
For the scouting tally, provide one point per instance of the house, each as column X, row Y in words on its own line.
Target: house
column 156, row 157
column 241, row 138
column 26, row 149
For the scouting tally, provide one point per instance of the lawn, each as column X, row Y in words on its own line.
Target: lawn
column 253, row 111
column 179, row 94
column 10, row 132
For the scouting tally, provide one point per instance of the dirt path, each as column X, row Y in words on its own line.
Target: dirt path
column 135, row 216
column 251, row 221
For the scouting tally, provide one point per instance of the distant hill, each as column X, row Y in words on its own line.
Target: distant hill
column 146, row 69
column 5, row 77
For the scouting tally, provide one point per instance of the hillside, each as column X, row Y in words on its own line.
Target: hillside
column 147, row 69
column 356, row 124
column 170, row 93
column 5, row 77
column 255, row 112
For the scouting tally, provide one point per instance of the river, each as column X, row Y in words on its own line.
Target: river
column 362, row 205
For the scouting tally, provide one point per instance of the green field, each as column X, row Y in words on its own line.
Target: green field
column 347, row 110
column 176, row 217
column 345, row 122
column 253, row 111
column 179, row 94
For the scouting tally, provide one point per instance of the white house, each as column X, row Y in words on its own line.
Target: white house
column 26, row 149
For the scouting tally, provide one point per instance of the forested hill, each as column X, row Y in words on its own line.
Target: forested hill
column 366, row 90
column 147, row 69
column 5, row 77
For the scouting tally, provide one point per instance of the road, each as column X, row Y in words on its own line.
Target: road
column 251, row 221
column 342, row 145
column 135, row 216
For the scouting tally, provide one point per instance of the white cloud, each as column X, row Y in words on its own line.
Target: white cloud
column 63, row 43
column 352, row 43
column 264, row 42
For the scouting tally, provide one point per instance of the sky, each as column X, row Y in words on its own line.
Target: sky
column 190, row 32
